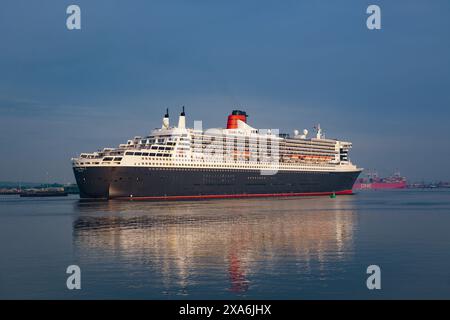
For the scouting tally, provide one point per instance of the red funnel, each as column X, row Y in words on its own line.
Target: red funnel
column 234, row 117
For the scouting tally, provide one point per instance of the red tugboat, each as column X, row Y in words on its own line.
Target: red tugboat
column 373, row 181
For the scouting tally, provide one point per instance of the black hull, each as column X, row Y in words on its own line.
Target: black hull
column 178, row 183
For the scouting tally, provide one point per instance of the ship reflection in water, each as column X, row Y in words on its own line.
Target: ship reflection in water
column 215, row 249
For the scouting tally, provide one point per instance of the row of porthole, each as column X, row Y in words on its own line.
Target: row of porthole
column 234, row 167
column 220, row 170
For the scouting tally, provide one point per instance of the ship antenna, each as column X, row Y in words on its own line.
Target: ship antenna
column 167, row 113
column 182, row 113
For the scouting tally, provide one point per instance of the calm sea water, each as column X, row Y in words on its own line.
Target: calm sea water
column 290, row 248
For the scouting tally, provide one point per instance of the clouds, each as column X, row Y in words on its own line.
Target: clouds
column 291, row 64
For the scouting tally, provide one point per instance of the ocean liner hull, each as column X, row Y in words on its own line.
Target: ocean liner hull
column 190, row 183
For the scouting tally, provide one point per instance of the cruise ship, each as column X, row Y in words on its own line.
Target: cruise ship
column 176, row 162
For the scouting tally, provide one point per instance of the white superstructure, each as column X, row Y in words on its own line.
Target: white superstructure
column 239, row 147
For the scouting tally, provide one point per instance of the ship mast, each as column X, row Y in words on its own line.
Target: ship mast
column 182, row 120
column 165, row 124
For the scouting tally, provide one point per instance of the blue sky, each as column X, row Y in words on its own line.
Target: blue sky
column 289, row 64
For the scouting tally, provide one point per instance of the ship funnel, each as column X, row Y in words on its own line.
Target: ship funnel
column 182, row 120
column 165, row 124
column 234, row 117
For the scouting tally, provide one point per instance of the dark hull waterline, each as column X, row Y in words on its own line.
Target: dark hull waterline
column 143, row 183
